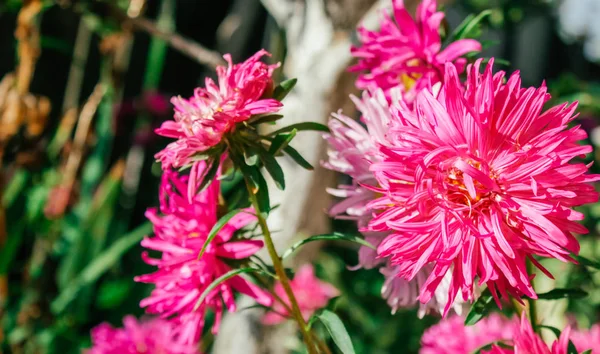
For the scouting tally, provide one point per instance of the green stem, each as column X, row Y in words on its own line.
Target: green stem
column 531, row 302
column 280, row 271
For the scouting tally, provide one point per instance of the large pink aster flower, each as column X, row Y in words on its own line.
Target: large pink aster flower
column 526, row 341
column 150, row 336
column 311, row 293
column 451, row 336
column 201, row 121
column 407, row 52
column 352, row 149
column 182, row 275
column 587, row 339
column 476, row 181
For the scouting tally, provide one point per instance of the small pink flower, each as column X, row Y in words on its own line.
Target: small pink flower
column 407, row 52
column 201, row 121
column 311, row 294
column 151, row 336
column 451, row 336
column 182, row 276
column 526, row 341
column 587, row 339
column 476, row 181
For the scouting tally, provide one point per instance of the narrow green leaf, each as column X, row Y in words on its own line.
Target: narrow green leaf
column 554, row 330
column 487, row 347
column 326, row 237
column 221, row 279
column 555, row 294
column 271, row 118
column 302, row 126
column 250, row 156
column 295, row 155
column 15, row 187
column 480, row 308
column 337, row 331
column 589, row 351
column 264, row 203
column 99, row 266
column 281, row 141
column 274, row 169
column 587, row 262
column 283, row 89
column 217, row 227
column 470, row 27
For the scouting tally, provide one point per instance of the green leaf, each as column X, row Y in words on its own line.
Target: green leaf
column 470, row 27
column 271, row 118
column 264, row 203
column 491, row 345
column 337, row 331
column 274, row 169
column 589, row 351
column 99, row 266
column 281, row 141
column 555, row 294
column 217, row 227
column 295, row 155
column 587, row 262
column 326, row 237
column 112, row 294
column 232, row 273
column 302, row 126
column 250, row 156
column 480, row 308
column 554, row 330
column 283, row 89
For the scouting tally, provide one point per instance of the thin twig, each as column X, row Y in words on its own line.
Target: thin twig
column 186, row 46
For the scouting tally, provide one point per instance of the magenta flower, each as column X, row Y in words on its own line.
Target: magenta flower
column 407, row 52
column 451, row 336
column 352, row 150
column 182, row 276
column 526, row 341
column 201, row 121
column 587, row 339
column 477, row 181
column 151, row 336
column 311, row 294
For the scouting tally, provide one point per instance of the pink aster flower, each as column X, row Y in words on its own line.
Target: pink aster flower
column 476, row 181
column 201, row 121
column 352, row 150
column 587, row 339
column 526, row 341
column 311, row 294
column 182, row 276
column 451, row 336
column 150, row 336
column 407, row 52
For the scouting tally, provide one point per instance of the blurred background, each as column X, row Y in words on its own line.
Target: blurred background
column 84, row 83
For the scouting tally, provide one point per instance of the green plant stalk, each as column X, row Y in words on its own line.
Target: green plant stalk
column 280, row 271
column 532, row 306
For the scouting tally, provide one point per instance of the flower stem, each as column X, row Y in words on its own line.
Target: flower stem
column 531, row 302
column 280, row 271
